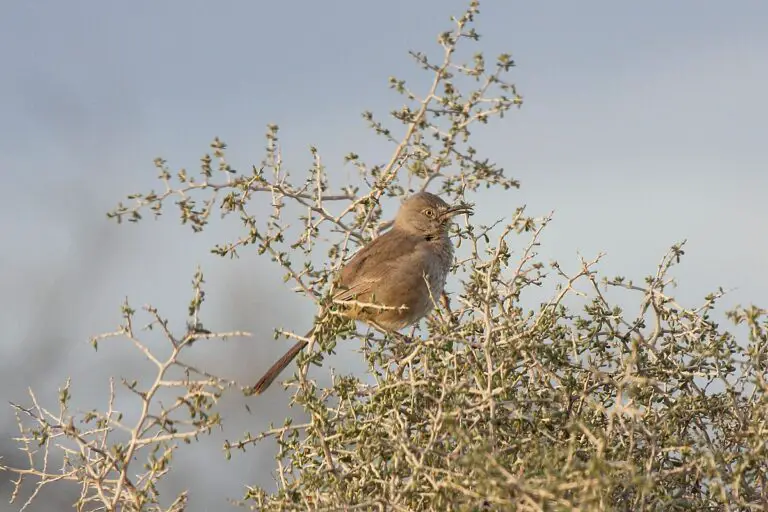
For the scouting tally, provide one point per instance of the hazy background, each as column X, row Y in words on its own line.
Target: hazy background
column 644, row 123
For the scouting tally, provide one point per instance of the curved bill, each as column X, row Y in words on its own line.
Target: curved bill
column 457, row 209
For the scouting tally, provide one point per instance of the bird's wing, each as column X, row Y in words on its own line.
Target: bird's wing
column 360, row 290
column 373, row 263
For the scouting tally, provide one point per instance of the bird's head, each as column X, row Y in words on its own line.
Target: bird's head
column 426, row 214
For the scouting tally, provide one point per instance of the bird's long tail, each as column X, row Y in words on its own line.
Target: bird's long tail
column 277, row 368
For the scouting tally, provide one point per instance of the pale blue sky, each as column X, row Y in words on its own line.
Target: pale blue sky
column 644, row 123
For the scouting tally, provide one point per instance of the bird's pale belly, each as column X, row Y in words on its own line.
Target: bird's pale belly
column 433, row 272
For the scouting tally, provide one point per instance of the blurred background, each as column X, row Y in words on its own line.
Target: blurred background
column 643, row 124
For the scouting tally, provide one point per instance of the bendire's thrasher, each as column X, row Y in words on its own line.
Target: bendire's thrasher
column 403, row 270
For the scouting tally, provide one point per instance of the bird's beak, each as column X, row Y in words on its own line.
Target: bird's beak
column 458, row 209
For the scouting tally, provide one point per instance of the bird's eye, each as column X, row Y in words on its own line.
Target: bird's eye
column 429, row 212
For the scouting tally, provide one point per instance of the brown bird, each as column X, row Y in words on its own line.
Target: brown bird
column 395, row 280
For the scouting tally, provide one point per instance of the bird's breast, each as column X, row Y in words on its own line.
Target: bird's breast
column 436, row 260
